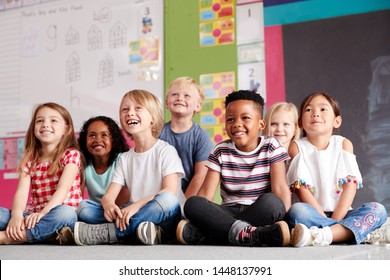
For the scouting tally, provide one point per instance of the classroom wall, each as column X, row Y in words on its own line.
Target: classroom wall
column 341, row 47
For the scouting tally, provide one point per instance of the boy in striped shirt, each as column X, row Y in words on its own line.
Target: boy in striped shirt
column 251, row 172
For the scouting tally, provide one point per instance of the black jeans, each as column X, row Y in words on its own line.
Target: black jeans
column 221, row 223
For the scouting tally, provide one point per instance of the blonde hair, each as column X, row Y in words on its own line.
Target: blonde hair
column 33, row 147
column 282, row 106
column 151, row 103
column 187, row 81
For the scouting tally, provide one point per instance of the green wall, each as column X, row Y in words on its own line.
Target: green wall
column 183, row 54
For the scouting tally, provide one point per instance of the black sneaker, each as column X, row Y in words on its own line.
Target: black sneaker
column 189, row 234
column 276, row 235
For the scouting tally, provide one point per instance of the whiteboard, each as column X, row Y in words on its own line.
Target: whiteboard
column 84, row 55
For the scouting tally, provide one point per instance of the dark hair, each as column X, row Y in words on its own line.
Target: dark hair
column 246, row 95
column 333, row 103
column 119, row 144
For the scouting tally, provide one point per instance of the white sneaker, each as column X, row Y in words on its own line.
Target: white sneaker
column 302, row 236
column 379, row 236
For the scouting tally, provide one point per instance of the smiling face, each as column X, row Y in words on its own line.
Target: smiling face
column 318, row 117
column 49, row 126
column 183, row 100
column 99, row 140
column 243, row 124
column 282, row 126
column 135, row 119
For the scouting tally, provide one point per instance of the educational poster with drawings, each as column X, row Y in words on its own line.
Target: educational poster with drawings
column 212, row 117
column 77, row 53
column 216, row 25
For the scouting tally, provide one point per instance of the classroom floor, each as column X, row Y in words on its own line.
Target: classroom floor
column 181, row 252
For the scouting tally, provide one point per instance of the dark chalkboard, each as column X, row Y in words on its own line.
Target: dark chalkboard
column 348, row 57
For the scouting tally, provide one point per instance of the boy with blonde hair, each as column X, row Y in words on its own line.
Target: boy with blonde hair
column 184, row 99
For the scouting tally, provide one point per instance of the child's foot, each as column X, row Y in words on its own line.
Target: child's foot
column 379, row 236
column 189, row 234
column 65, row 236
column 302, row 236
column 86, row 234
column 4, row 240
column 149, row 233
column 276, row 235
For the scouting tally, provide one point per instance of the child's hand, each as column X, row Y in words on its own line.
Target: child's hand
column 15, row 228
column 127, row 213
column 111, row 212
column 33, row 219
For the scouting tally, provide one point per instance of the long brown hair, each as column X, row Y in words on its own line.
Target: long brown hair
column 33, row 147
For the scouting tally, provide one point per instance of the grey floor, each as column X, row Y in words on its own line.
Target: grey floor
column 181, row 252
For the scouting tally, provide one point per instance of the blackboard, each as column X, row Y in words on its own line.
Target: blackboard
column 348, row 57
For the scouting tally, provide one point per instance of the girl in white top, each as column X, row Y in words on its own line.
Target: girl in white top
column 152, row 172
column 325, row 175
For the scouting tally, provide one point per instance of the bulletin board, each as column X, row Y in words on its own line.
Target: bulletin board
column 84, row 55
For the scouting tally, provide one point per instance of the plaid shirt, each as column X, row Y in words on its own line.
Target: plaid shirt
column 43, row 186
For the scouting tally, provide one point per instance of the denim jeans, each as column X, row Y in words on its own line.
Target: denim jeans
column 222, row 223
column 163, row 210
column 361, row 221
column 91, row 212
column 57, row 218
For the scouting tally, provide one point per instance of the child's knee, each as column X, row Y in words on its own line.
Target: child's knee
column 66, row 214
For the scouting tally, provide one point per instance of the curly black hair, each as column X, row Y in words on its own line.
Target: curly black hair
column 119, row 143
column 246, row 95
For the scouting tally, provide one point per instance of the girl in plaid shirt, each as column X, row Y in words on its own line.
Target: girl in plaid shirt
column 51, row 165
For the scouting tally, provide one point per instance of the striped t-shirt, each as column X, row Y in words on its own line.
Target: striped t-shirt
column 245, row 175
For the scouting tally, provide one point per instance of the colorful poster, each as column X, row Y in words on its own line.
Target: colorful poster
column 212, row 117
column 144, row 50
column 217, row 85
column 216, row 22
column 216, row 9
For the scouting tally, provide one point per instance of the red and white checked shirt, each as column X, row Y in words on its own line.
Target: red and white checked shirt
column 43, row 185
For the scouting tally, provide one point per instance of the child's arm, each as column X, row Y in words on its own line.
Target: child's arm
column 304, row 193
column 279, row 185
column 349, row 191
column 15, row 227
column 65, row 183
column 169, row 184
column 200, row 172
column 210, row 184
column 111, row 210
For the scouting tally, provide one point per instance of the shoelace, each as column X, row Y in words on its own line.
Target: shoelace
column 98, row 232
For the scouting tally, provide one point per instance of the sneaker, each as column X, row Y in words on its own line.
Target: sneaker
column 86, row 234
column 189, row 234
column 379, row 236
column 148, row 233
column 65, row 236
column 276, row 235
column 302, row 236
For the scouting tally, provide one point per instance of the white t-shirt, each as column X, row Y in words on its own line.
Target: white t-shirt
column 143, row 173
column 321, row 170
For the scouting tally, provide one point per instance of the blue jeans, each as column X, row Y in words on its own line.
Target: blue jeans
column 163, row 210
column 57, row 218
column 361, row 221
column 222, row 223
column 91, row 212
